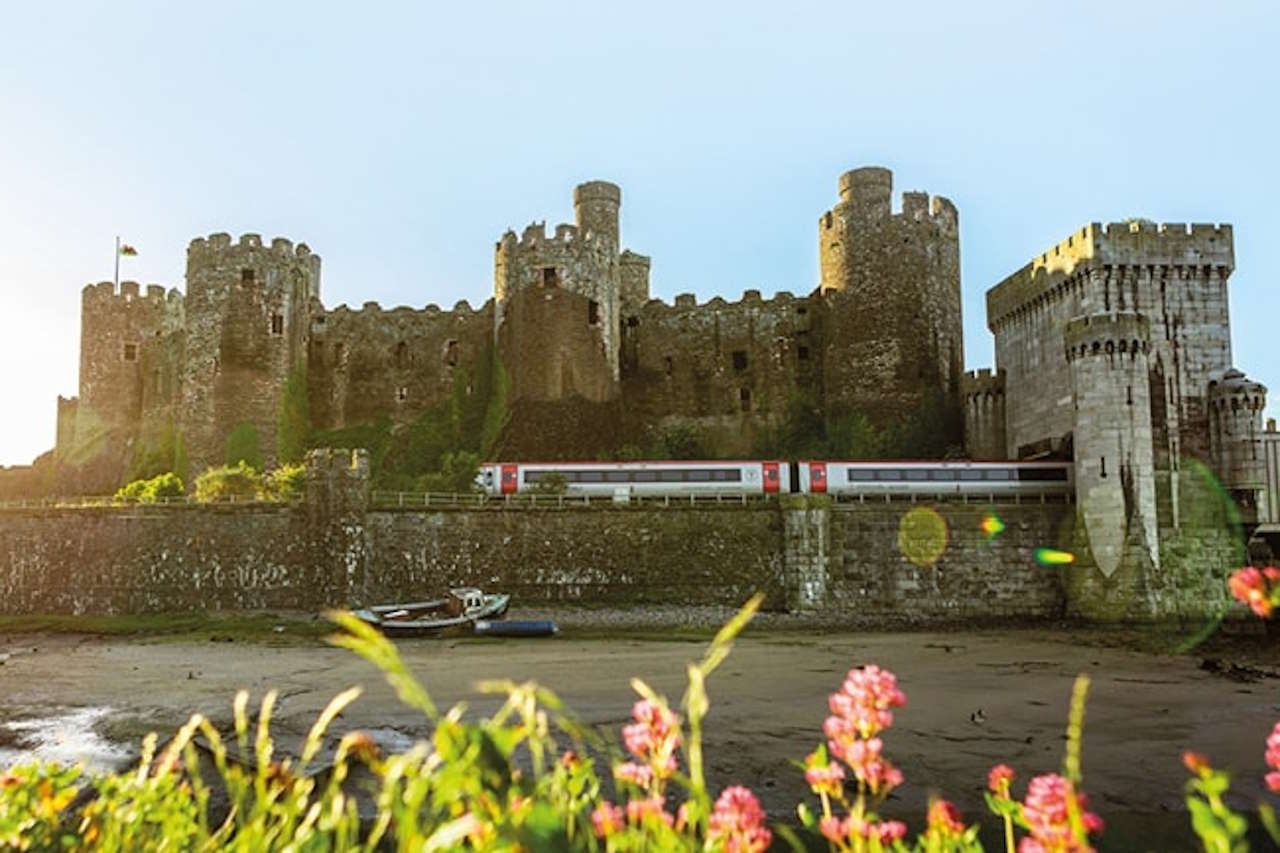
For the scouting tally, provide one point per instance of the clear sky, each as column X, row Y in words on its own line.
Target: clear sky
column 399, row 140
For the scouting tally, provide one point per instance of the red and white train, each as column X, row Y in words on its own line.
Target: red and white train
column 765, row 477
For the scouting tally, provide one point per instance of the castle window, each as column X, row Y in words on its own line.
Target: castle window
column 593, row 312
column 339, row 350
column 744, row 398
column 739, row 360
column 1128, row 395
column 670, row 366
column 246, row 276
column 802, row 353
column 632, row 322
column 549, row 277
column 1104, row 466
column 402, row 355
column 802, row 310
column 402, row 393
column 277, row 324
column 451, row 353
column 130, row 352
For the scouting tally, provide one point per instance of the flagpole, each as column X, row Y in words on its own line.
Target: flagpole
column 117, row 284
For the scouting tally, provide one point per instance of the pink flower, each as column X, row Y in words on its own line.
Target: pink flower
column 1196, row 762
column 1271, row 573
column 607, row 819
column 653, row 737
column 1273, row 781
column 1046, row 811
column 945, row 818
column 1249, row 585
column 888, row 831
column 1273, row 748
column 865, row 698
column 823, row 778
column 738, row 820
column 639, row 810
column 834, row 829
column 999, row 779
column 636, row 774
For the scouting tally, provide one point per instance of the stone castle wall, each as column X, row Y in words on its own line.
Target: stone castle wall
column 1174, row 275
column 368, row 363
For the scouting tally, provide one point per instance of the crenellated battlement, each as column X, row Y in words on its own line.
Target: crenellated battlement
column 750, row 298
column 976, row 383
column 1106, row 334
column 105, row 292
column 1232, row 389
column 281, row 247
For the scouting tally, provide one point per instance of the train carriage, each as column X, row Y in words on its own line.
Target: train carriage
column 848, row 478
column 638, row 478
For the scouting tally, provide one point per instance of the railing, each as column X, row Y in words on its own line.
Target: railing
column 444, row 500
column 438, row 500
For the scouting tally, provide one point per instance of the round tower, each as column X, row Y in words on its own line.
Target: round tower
column 595, row 209
column 868, row 192
column 248, row 317
column 1235, row 442
column 1115, row 484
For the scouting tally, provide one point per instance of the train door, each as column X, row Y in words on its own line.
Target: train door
column 772, row 479
column 509, row 483
column 817, row 477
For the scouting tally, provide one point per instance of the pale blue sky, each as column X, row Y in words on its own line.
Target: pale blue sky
column 400, row 140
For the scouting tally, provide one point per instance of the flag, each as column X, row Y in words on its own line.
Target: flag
column 127, row 250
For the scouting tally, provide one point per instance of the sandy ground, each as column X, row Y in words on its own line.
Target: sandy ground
column 768, row 703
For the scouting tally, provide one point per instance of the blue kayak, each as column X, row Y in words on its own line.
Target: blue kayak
column 516, row 628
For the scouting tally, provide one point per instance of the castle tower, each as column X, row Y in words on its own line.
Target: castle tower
column 247, row 324
column 1115, row 484
column 126, row 361
column 1235, row 437
column 558, row 301
column 983, row 395
column 891, row 286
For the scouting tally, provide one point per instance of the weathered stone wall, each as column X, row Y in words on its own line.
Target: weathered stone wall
column 369, row 363
column 977, row 576
column 984, row 414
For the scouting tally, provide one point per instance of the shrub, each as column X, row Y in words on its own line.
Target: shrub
column 293, row 419
column 456, row 476
column 167, row 485
column 286, row 483
column 230, row 482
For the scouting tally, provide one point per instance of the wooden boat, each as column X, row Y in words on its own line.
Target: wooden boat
column 461, row 607
column 516, row 628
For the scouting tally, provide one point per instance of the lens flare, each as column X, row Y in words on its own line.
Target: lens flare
column 922, row 536
column 1054, row 557
column 991, row 525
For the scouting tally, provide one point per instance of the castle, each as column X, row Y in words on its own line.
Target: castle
column 1112, row 348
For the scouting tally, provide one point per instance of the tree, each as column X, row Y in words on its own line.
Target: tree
column 243, row 446
column 293, row 420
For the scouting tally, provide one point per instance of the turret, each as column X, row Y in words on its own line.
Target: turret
column 1107, row 356
column 983, row 396
column 595, row 209
column 1236, row 404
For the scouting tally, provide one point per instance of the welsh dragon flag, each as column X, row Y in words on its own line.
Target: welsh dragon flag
column 127, row 250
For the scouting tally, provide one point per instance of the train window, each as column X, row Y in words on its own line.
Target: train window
column 727, row 475
column 617, row 477
column 699, row 476
column 1042, row 474
column 971, row 474
column 670, row 476
column 861, row 474
column 942, row 474
column 644, row 477
column 888, row 474
column 999, row 474
column 917, row 474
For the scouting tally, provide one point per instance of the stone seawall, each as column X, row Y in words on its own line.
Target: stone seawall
column 805, row 555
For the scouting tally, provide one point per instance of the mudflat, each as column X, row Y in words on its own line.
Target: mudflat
column 973, row 699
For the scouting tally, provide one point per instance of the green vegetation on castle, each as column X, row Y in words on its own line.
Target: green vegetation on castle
column 244, row 446
column 293, row 419
column 166, row 485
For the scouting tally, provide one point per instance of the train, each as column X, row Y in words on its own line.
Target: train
column 839, row 478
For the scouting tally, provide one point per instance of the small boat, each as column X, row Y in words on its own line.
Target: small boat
column 516, row 628
column 463, row 606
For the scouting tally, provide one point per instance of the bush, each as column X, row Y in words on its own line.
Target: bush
column 457, row 474
column 286, row 483
column 167, row 485
column 230, row 482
